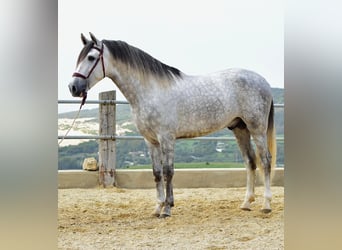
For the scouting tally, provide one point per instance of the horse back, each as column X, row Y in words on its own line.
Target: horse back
column 199, row 105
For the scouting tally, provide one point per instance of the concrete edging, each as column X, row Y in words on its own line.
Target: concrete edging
column 183, row 178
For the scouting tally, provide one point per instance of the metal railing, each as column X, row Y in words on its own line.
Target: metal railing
column 276, row 105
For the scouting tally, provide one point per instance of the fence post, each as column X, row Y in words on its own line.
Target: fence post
column 107, row 155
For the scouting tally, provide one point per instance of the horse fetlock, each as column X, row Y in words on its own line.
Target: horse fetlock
column 246, row 205
column 268, row 195
column 251, row 199
column 158, row 209
column 166, row 211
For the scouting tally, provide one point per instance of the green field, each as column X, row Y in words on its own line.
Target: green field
column 197, row 165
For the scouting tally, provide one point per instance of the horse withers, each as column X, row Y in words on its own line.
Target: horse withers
column 168, row 104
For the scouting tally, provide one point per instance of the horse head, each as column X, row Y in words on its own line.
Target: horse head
column 88, row 71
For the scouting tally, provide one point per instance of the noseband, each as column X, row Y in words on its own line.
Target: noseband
column 76, row 74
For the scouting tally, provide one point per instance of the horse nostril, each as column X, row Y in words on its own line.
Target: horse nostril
column 72, row 89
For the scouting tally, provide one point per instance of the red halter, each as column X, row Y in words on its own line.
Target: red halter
column 76, row 74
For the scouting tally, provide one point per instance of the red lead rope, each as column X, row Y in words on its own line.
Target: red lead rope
column 83, row 99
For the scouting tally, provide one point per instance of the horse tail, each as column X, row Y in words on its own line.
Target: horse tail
column 271, row 143
column 271, row 138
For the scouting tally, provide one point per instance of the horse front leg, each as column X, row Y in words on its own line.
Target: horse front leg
column 156, row 155
column 167, row 147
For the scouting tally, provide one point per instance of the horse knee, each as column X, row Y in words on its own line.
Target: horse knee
column 157, row 175
column 168, row 173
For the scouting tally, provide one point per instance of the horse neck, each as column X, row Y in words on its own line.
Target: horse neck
column 128, row 80
column 135, row 85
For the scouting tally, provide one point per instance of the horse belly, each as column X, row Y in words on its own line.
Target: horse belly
column 200, row 121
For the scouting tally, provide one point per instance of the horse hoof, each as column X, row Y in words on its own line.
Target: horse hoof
column 246, row 206
column 266, row 210
column 164, row 216
column 245, row 209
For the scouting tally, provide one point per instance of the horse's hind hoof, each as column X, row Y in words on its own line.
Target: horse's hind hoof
column 245, row 209
column 266, row 210
column 246, row 206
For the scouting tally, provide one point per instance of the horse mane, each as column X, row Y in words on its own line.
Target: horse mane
column 140, row 60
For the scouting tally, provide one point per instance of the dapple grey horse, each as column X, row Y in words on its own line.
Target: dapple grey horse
column 167, row 105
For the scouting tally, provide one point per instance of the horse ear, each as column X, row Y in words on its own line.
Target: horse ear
column 94, row 39
column 84, row 39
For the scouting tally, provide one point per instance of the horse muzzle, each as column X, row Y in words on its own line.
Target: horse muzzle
column 78, row 88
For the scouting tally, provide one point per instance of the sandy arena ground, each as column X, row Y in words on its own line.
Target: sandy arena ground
column 203, row 218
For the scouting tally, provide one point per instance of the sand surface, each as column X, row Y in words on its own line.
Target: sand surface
column 203, row 218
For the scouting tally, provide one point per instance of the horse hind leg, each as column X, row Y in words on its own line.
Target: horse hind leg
column 243, row 138
column 264, row 162
column 156, row 155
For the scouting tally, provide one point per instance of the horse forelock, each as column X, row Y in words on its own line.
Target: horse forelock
column 140, row 60
column 84, row 52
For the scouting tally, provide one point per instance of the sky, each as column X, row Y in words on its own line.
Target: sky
column 197, row 37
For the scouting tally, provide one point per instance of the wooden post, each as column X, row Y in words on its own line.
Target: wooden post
column 107, row 155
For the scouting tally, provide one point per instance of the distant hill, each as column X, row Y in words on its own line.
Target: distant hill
column 123, row 113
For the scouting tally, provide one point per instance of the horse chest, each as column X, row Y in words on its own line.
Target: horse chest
column 149, row 122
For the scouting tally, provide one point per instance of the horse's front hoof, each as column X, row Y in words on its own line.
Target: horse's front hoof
column 266, row 210
column 164, row 216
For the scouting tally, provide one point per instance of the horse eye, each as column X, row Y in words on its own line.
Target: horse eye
column 91, row 58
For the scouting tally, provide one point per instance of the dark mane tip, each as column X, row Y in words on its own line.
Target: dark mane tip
column 140, row 60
